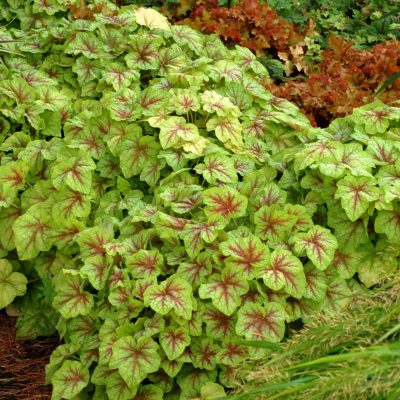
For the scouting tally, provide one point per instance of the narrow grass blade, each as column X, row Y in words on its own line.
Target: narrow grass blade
column 293, row 386
column 387, row 83
column 388, row 351
column 389, row 333
column 260, row 344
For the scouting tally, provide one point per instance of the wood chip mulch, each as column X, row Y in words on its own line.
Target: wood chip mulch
column 22, row 364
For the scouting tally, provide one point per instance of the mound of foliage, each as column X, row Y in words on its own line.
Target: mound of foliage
column 160, row 206
column 354, row 354
column 325, row 84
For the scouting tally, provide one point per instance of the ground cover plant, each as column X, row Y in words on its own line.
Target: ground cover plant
column 159, row 206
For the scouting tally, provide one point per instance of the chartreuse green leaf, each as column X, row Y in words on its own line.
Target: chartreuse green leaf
column 13, row 174
column 213, row 102
column 204, row 352
column 316, row 283
column 228, row 70
column 32, row 231
column 231, row 353
column 92, row 241
column 195, row 271
column 12, row 284
column 135, row 359
column 347, row 158
column 175, row 131
column 388, row 222
column 257, row 322
column 69, row 380
column 136, row 153
column 346, row 262
column 224, row 202
column 227, row 129
column 218, row 324
column 145, row 263
column 119, row 76
column 85, row 43
column 97, row 270
column 173, row 293
column 150, row 392
column 59, row 355
column 117, row 388
column 73, row 170
column 303, row 217
column 374, row 117
column 174, row 341
column 338, row 296
column 269, row 195
column 383, row 150
column 273, row 223
column 255, row 182
column 167, row 226
column 225, row 289
column 186, row 100
column 192, row 380
column 217, row 168
column 143, row 52
column 377, row 263
column 348, row 234
column 318, row 244
column 71, row 299
column 171, row 367
column 17, row 90
column 284, row 271
column 69, row 203
column 247, row 253
column 196, row 235
column 7, row 218
column 212, row 391
column 356, row 194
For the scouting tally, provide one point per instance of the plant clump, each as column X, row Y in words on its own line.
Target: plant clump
column 164, row 206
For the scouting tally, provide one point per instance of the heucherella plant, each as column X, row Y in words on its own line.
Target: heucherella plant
column 352, row 172
column 164, row 206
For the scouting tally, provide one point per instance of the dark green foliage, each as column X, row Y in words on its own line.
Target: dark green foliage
column 366, row 22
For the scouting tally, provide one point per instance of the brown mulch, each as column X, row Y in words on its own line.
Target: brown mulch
column 22, row 364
